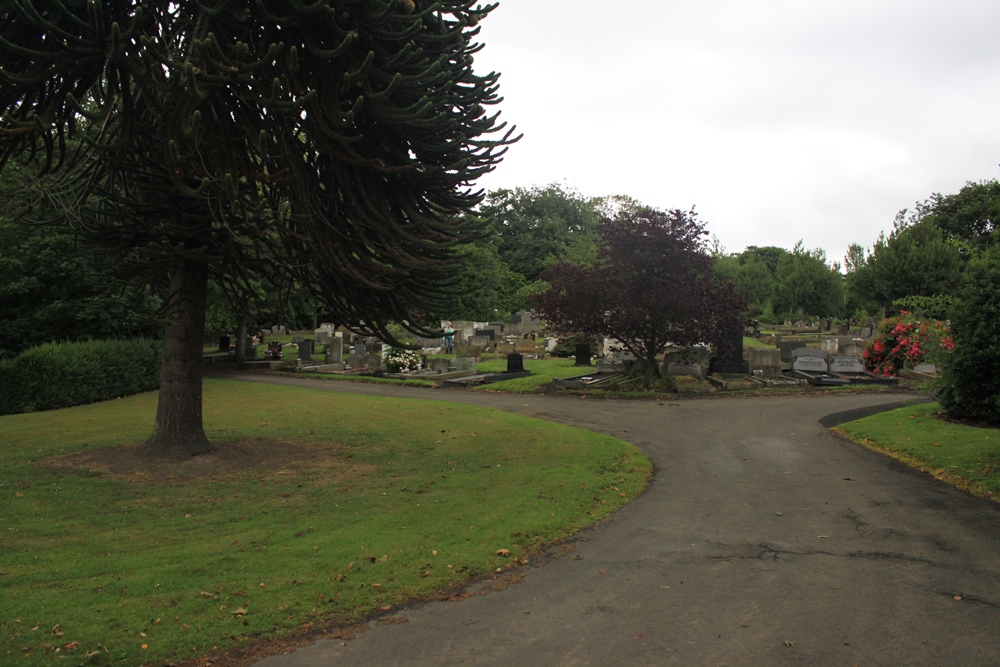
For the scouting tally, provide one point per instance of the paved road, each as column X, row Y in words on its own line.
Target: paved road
column 763, row 540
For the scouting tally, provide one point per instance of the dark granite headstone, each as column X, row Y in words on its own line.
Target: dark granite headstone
column 223, row 343
column 729, row 355
column 306, row 349
column 582, row 354
column 515, row 363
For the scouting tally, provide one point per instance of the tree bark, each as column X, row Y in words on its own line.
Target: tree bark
column 179, row 431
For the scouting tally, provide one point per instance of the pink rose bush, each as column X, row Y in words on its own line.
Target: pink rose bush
column 903, row 340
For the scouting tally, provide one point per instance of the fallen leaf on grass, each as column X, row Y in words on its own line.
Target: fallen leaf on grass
column 503, row 552
column 790, row 644
column 242, row 611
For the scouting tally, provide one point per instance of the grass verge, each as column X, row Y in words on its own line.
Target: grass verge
column 348, row 506
column 966, row 456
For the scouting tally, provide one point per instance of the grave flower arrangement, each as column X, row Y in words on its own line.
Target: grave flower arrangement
column 903, row 340
column 398, row 360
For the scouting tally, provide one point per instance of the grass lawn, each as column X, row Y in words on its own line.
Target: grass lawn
column 542, row 373
column 348, row 506
column 966, row 456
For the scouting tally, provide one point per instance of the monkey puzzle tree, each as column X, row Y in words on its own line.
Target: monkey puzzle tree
column 333, row 141
column 653, row 285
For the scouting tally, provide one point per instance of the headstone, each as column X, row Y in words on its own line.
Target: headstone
column 468, row 351
column 551, row 343
column 480, row 341
column 729, row 355
column 853, row 348
column 335, row 351
column 866, row 332
column 844, row 364
column 486, row 333
column 786, row 347
column 223, row 343
column 926, row 368
column 359, row 349
column 515, row 363
column 439, row 365
column 677, row 368
column 767, row 360
column 355, row 361
column 306, row 349
column 323, row 336
column 582, row 354
column 809, row 359
column 373, row 360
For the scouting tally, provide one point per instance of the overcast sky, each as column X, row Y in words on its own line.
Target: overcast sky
column 779, row 120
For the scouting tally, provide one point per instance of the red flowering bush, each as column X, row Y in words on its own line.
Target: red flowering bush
column 901, row 340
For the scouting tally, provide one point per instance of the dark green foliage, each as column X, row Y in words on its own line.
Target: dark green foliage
column 54, row 376
column 914, row 260
column 971, row 386
column 938, row 307
column 50, row 290
column 972, row 215
column 330, row 144
column 534, row 228
column 486, row 288
column 807, row 284
column 332, row 141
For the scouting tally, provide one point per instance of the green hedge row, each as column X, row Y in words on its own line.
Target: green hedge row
column 62, row 375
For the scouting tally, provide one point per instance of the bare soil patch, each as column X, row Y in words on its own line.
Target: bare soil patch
column 263, row 456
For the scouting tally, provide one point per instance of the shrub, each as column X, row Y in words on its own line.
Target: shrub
column 54, row 375
column 971, row 386
column 903, row 340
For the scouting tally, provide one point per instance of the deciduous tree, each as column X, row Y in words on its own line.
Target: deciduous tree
column 652, row 285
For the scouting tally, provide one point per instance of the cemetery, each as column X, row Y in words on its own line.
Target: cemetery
column 795, row 355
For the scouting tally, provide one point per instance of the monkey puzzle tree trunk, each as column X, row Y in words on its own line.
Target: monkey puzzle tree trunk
column 179, row 430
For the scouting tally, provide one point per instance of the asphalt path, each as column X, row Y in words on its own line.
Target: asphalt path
column 764, row 539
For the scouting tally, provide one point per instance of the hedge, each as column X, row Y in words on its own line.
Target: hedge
column 61, row 375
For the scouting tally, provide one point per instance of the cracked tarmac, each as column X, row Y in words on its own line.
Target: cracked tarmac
column 763, row 539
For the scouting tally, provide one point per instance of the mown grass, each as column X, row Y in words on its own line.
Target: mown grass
column 965, row 456
column 543, row 371
column 398, row 499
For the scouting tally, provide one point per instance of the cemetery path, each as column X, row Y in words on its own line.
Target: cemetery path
column 763, row 539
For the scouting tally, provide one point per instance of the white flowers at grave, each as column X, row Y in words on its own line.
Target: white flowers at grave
column 401, row 361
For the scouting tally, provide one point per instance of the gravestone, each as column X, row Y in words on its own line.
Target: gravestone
column 846, row 364
column 469, row 351
column 767, row 360
column 322, row 337
column 681, row 368
column 439, row 365
column 786, row 347
column 485, row 333
column 373, row 360
column 335, row 351
column 223, row 343
column 729, row 354
column 355, row 361
column 853, row 348
column 515, row 363
column 306, row 349
column 926, row 368
column 809, row 359
column 582, row 354
column 360, row 349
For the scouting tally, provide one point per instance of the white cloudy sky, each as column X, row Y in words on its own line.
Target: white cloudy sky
column 779, row 119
